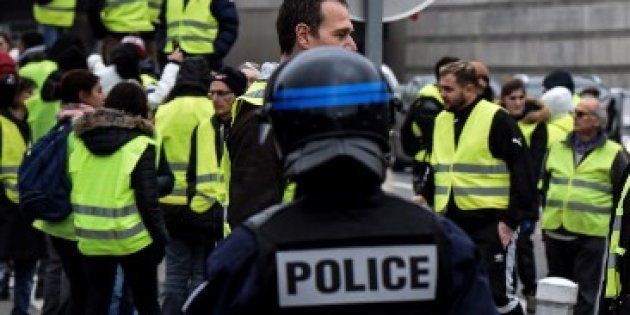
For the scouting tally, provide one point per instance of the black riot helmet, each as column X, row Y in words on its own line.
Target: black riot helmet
column 328, row 102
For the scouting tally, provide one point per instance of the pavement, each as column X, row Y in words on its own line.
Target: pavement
column 397, row 183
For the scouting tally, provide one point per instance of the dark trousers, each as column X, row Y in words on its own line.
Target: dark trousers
column 500, row 263
column 56, row 285
column 580, row 260
column 140, row 270
column 525, row 263
column 74, row 268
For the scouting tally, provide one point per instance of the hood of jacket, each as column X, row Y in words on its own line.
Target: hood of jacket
column 106, row 130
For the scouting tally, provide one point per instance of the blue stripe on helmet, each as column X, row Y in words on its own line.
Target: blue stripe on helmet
column 327, row 101
column 327, row 91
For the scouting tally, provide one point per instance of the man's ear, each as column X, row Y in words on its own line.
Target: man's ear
column 301, row 36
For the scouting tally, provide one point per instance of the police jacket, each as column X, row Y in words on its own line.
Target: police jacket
column 351, row 257
column 106, row 132
column 505, row 143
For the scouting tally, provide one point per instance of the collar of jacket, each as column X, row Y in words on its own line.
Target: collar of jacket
column 108, row 118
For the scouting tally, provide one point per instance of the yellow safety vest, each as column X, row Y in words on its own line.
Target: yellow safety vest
column 127, row 16
column 155, row 7
column 106, row 217
column 13, row 149
column 42, row 115
column 58, row 13
column 476, row 179
column 579, row 198
column 210, row 182
column 559, row 128
column 527, row 129
column 431, row 91
column 175, row 122
column 192, row 26
column 64, row 228
column 613, row 278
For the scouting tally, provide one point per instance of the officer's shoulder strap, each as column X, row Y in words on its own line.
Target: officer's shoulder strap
column 256, row 221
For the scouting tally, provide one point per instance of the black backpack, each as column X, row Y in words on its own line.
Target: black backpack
column 42, row 178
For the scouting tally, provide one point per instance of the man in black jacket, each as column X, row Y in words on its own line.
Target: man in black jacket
column 256, row 174
column 483, row 176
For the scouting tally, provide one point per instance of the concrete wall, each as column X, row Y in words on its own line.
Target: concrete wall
column 525, row 36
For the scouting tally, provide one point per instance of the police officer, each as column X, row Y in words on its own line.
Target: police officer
column 344, row 247
column 483, row 178
column 417, row 130
column 582, row 174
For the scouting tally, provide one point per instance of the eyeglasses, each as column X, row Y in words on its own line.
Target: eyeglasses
column 580, row 114
column 219, row 93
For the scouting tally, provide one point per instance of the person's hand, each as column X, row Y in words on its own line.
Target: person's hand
column 176, row 56
column 505, row 234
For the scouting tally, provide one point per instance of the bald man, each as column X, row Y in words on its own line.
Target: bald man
column 483, row 76
column 582, row 180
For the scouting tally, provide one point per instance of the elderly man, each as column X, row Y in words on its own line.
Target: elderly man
column 582, row 179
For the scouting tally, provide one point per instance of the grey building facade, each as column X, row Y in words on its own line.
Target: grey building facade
column 512, row 36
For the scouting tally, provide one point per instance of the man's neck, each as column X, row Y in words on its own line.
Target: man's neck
column 586, row 136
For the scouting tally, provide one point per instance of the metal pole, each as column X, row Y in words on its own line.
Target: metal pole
column 374, row 30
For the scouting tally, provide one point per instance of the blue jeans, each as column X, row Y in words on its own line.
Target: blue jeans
column 121, row 299
column 184, row 272
column 24, row 272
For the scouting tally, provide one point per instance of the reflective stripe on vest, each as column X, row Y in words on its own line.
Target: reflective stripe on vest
column 42, row 115
column 210, row 186
column 175, row 122
column 106, row 219
column 155, row 8
column 579, row 198
column 56, row 13
column 13, row 149
column 476, row 179
column 613, row 278
column 191, row 25
column 126, row 16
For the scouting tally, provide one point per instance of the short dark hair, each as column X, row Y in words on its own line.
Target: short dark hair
column 294, row 12
column 512, row 85
column 441, row 63
column 75, row 81
column 463, row 71
column 128, row 97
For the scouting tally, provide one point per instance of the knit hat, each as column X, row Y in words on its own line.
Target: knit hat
column 8, row 80
column 559, row 78
column 234, row 79
column 559, row 100
column 138, row 45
